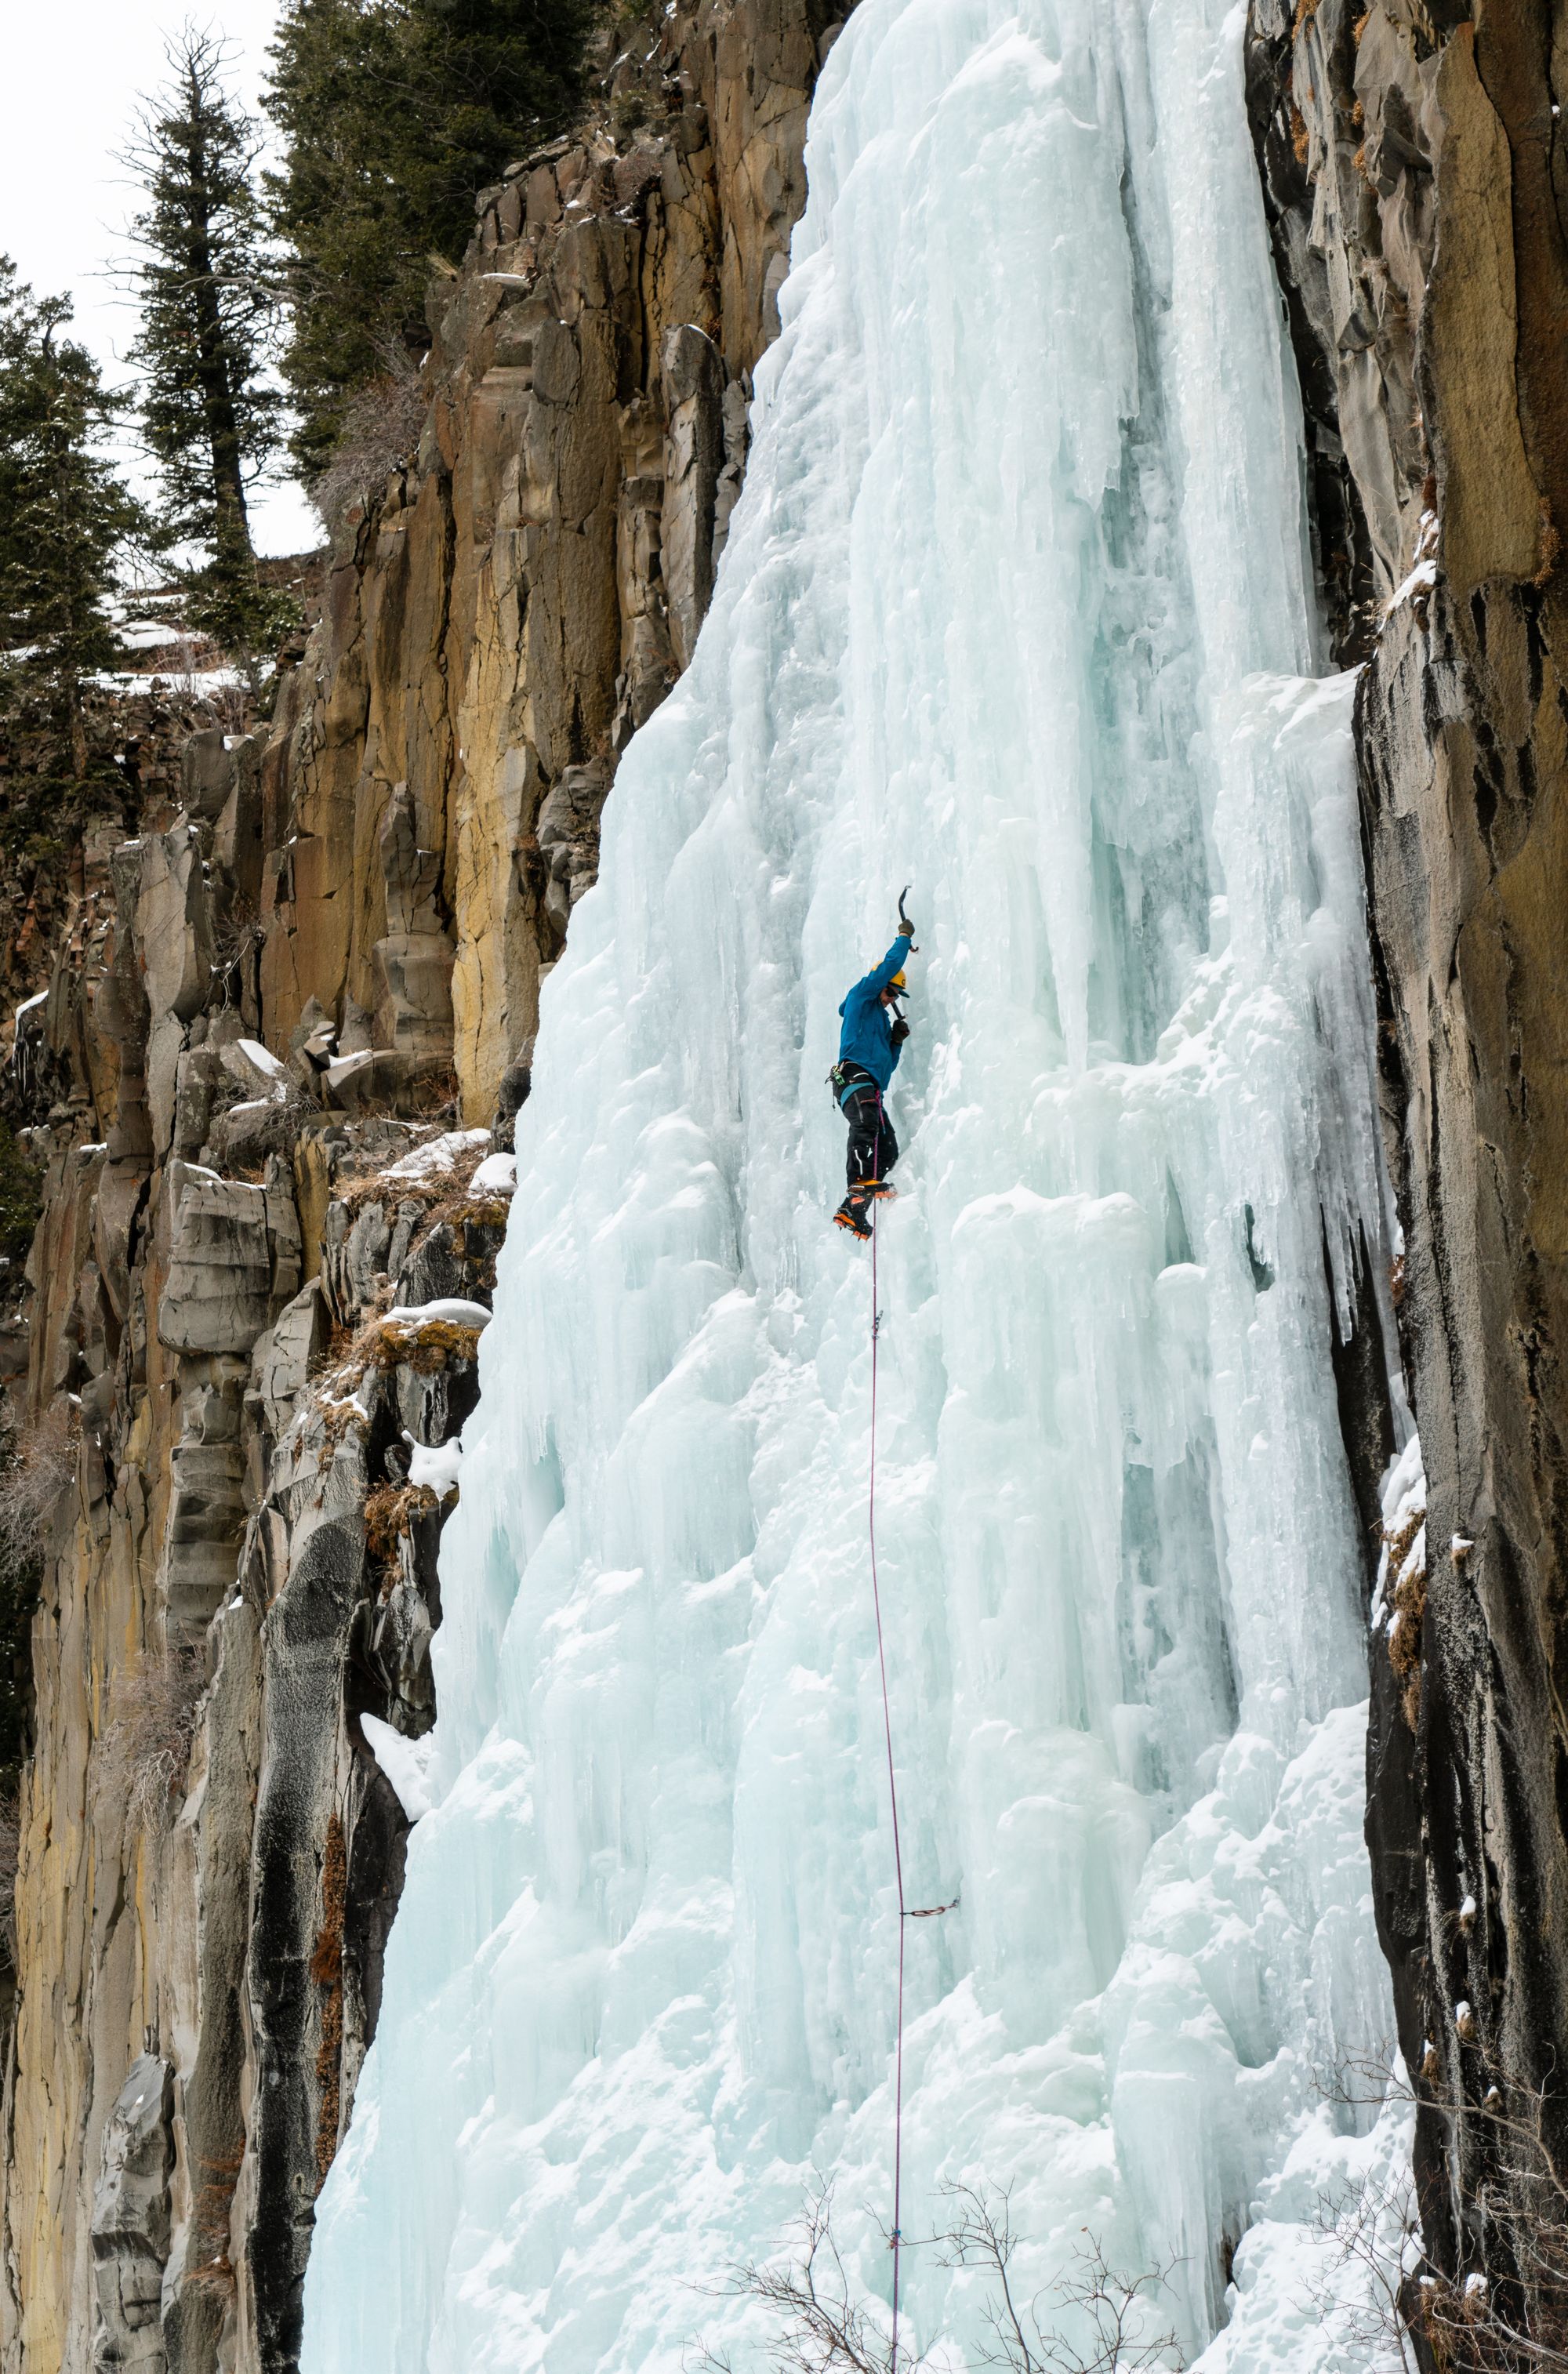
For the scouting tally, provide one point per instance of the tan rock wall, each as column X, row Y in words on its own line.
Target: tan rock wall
column 510, row 606
column 1418, row 177
column 237, row 1570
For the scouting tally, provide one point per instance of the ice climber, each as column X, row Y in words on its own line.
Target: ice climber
column 869, row 1046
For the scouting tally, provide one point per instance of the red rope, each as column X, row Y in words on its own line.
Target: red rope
column 894, row 1802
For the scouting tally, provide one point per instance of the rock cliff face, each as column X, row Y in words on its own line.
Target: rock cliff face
column 290, row 1011
column 288, row 1022
column 1418, row 177
column 523, row 595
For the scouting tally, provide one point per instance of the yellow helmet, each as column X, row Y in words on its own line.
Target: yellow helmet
column 898, row 982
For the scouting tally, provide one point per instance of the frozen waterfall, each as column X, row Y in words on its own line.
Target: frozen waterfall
column 1016, row 604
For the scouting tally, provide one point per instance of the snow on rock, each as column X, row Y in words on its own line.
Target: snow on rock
column 497, row 1175
column 28, row 1005
column 1404, row 1529
column 1017, row 592
column 262, row 1060
column 1421, row 580
column 450, row 1307
column 438, row 1470
column 405, row 1762
column 1424, row 576
column 437, row 1155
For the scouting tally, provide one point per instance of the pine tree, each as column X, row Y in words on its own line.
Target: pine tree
column 64, row 512
column 394, row 113
column 210, row 412
column 357, row 269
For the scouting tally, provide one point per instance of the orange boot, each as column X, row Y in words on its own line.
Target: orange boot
column 850, row 1214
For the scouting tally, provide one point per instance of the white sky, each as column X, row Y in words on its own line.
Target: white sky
column 74, row 70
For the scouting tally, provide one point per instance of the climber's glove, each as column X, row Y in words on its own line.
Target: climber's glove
column 900, row 1032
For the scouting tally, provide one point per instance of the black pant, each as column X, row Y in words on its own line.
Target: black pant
column 873, row 1148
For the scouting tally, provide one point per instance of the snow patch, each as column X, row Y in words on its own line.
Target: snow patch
column 497, row 1175
column 436, row 1470
column 450, row 1307
column 1424, row 576
column 405, row 1762
column 263, row 1060
column 438, row 1155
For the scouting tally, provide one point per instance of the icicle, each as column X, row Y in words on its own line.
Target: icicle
column 1015, row 600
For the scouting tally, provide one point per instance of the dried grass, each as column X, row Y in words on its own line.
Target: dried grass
column 433, row 1190
column 153, row 1722
column 426, row 1346
column 327, row 1971
column 342, row 1415
column 213, row 2211
column 1406, row 1597
column 392, row 1511
column 42, row 1462
column 1549, row 543
column 436, row 1097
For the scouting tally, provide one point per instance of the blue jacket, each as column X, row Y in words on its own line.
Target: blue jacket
column 867, row 1037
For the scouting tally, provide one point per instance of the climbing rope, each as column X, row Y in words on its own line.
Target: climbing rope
column 894, row 1802
column 906, row 1913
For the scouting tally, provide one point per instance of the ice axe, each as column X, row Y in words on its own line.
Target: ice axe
column 904, row 919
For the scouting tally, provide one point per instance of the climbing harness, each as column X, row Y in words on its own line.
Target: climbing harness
column 907, row 1912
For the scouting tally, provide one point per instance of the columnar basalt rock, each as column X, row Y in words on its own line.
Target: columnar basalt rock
column 255, row 1298
column 1418, row 177
column 506, row 608
column 130, row 2220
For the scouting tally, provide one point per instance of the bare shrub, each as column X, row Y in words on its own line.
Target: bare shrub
column 237, row 933
column 153, row 1722
column 1108, row 2308
column 380, row 428
column 1370, row 2233
column 229, row 705
column 1508, row 2314
column 821, row 2327
column 35, row 1468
